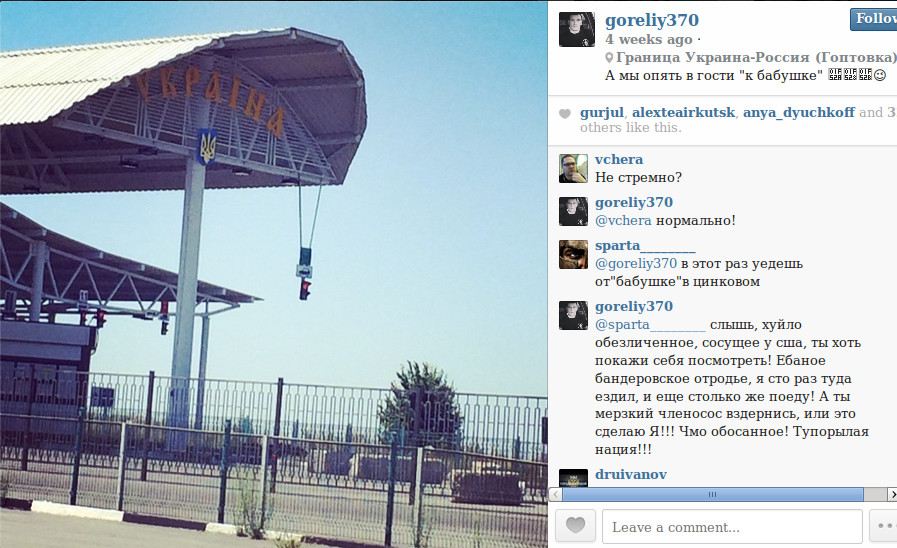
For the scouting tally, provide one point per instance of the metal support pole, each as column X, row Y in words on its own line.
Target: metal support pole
column 121, row 466
column 278, row 406
column 222, row 469
column 416, row 435
column 277, row 413
column 39, row 259
column 188, row 271
column 263, row 497
column 201, row 387
column 149, row 422
column 418, row 415
column 26, row 436
column 418, row 499
column 76, row 458
column 391, row 490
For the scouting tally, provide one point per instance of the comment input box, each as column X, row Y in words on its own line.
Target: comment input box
column 732, row 526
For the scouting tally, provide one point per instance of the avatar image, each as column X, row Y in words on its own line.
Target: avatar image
column 573, row 168
column 573, row 254
column 576, row 30
column 573, row 315
column 573, row 211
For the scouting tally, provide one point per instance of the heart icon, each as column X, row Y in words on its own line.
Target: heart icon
column 564, row 112
column 575, row 525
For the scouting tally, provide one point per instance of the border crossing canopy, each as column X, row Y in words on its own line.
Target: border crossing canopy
column 288, row 107
column 232, row 110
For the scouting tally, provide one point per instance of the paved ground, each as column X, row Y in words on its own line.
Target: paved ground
column 20, row 529
column 336, row 511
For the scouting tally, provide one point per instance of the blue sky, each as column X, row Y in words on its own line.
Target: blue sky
column 433, row 250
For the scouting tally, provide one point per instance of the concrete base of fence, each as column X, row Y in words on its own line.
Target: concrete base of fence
column 15, row 504
column 222, row 528
column 233, row 530
column 164, row 522
column 219, row 528
column 44, row 507
column 279, row 536
column 338, row 543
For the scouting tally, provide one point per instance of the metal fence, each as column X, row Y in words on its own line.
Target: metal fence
column 496, row 425
column 392, row 494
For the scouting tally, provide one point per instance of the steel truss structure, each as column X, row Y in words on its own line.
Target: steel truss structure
column 75, row 277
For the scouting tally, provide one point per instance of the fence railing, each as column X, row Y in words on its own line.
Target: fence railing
column 368, row 492
column 497, row 425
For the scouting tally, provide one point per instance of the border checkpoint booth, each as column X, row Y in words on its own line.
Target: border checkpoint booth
column 249, row 109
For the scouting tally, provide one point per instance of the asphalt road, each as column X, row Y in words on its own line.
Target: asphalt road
column 324, row 511
column 20, row 529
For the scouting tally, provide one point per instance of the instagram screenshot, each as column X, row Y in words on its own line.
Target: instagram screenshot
column 287, row 270
column 721, row 365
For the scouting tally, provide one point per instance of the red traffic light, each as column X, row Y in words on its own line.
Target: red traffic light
column 164, row 317
column 101, row 318
column 303, row 290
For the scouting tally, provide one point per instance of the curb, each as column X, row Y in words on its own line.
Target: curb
column 58, row 509
column 165, row 522
column 16, row 504
column 338, row 543
column 54, row 508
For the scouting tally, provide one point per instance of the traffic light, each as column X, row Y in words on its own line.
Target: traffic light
column 164, row 317
column 303, row 291
column 101, row 318
column 9, row 305
column 83, row 314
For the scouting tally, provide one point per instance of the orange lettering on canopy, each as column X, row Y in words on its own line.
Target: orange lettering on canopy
column 255, row 106
column 191, row 78
column 168, row 89
column 234, row 92
column 275, row 123
column 213, row 88
column 143, row 83
column 255, row 103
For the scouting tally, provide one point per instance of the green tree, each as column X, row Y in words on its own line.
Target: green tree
column 422, row 403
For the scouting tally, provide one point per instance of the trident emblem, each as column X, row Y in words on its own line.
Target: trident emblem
column 205, row 153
